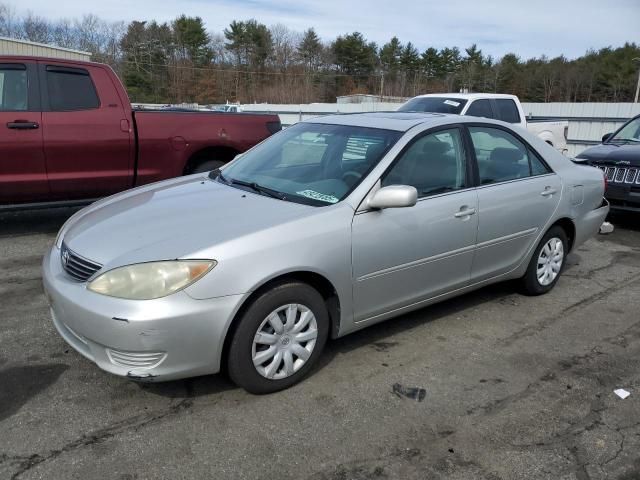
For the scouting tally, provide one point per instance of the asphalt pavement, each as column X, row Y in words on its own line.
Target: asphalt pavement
column 491, row 385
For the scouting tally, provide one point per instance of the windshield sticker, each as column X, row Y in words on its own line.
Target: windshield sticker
column 452, row 103
column 318, row 196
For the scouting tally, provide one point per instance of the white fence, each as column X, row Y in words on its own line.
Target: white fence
column 588, row 122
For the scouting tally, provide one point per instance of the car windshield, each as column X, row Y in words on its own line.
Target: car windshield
column 314, row 164
column 629, row 133
column 434, row 104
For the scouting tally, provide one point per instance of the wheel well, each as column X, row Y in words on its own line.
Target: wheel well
column 315, row 280
column 569, row 228
column 226, row 154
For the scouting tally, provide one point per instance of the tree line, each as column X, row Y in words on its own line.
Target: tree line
column 181, row 61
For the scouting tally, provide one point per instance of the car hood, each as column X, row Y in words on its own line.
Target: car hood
column 611, row 154
column 173, row 219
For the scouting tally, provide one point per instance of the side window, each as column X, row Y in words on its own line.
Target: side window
column 70, row 89
column 502, row 157
column 433, row 164
column 480, row 108
column 13, row 88
column 507, row 110
column 538, row 167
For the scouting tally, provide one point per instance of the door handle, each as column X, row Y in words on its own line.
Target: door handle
column 465, row 212
column 23, row 125
column 548, row 191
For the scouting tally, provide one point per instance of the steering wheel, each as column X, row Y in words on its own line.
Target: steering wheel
column 350, row 177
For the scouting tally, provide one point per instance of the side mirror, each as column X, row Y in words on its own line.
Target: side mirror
column 606, row 136
column 394, row 196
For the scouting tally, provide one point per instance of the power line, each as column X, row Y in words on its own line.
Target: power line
column 256, row 72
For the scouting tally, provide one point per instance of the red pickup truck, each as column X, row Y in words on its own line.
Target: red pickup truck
column 68, row 134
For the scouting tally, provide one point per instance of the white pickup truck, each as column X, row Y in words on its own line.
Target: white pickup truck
column 490, row 105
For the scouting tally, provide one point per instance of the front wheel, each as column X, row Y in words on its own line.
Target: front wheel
column 279, row 338
column 546, row 263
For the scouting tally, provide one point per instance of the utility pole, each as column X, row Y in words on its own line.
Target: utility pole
column 637, row 60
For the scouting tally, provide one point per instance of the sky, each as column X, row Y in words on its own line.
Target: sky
column 528, row 28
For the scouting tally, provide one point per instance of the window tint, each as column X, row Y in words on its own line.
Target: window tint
column 13, row 89
column 507, row 110
column 480, row 108
column 433, row 164
column 502, row 157
column 70, row 89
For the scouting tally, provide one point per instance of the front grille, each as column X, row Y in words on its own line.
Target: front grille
column 628, row 175
column 78, row 267
column 135, row 359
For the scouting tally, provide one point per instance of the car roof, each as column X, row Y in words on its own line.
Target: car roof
column 468, row 96
column 399, row 121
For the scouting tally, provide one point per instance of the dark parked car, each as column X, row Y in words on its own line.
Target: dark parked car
column 619, row 158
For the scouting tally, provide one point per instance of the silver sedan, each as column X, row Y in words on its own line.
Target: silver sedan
column 327, row 227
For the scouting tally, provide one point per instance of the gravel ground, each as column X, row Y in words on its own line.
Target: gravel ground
column 490, row 385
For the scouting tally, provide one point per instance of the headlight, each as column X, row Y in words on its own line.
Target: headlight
column 146, row 281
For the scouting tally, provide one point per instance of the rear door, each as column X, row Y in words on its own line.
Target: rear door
column 23, row 174
column 86, row 133
column 517, row 195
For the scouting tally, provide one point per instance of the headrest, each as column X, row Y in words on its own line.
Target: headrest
column 505, row 154
column 435, row 147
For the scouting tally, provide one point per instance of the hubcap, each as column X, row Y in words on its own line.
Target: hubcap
column 550, row 261
column 284, row 341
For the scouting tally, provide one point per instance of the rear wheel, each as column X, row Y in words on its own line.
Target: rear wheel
column 280, row 337
column 547, row 262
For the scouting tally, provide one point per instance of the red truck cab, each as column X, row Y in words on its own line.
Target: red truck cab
column 68, row 133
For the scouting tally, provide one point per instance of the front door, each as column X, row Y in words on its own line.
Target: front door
column 406, row 255
column 23, row 174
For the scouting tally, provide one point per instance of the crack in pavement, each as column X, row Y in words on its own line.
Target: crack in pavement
column 531, row 330
column 26, row 463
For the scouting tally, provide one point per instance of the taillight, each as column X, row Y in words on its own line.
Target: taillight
column 274, row 127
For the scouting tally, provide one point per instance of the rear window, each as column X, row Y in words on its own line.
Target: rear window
column 434, row 104
column 70, row 89
column 507, row 110
column 480, row 108
column 13, row 88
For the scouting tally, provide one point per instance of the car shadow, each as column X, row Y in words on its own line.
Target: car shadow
column 28, row 222
column 373, row 336
column 625, row 220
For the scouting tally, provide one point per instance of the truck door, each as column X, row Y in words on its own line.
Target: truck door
column 23, row 174
column 87, row 136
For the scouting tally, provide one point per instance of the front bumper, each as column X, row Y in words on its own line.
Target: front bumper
column 623, row 197
column 153, row 340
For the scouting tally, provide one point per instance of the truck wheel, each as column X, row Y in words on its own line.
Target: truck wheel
column 207, row 166
column 546, row 263
column 279, row 339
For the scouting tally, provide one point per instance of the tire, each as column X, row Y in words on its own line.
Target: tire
column 207, row 166
column 535, row 283
column 279, row 357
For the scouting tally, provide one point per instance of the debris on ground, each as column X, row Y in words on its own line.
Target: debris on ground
column 414, row 393
column 622, row 393
column 606, row 228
